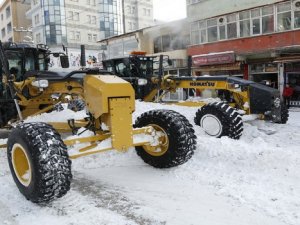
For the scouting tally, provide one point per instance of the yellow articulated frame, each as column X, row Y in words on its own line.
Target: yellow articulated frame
column 92, row 148
column 169, row 85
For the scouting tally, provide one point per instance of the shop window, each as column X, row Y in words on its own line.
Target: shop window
column 267, row 19
column 212, row 30
column 284, row 16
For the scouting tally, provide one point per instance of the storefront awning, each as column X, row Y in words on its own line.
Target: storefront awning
column 286, row 59
column 222, row 67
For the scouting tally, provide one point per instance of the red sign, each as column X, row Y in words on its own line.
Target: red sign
column 213, row 59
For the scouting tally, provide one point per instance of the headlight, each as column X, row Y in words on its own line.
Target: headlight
column 233, row 86
column 40, row 83
column 142, row 82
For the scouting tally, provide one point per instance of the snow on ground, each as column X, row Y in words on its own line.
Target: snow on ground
column 254, row 180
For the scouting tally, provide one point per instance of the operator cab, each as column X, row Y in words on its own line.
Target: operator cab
column 137, row 69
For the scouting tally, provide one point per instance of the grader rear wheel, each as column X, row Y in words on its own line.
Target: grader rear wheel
column 39, row 162
column 219, row 119
column 175, row 136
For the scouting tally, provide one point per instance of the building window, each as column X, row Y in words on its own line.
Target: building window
column 35, row 2
column 231, row 26
column 95, row 37
column 7, row 11
column 77, row 36
column 9, row 28
column 222, row 28
column 284, row 16
column 36, row 19
column 38, row 38
column 297, row 19
column 212, row 30
column 146, row 12
column 157, row 45
column 76, row 16
column 267, row 19
column 203, row 31
column 244, row 24
column 70, row 15
column 3, row 33
column 132, row 10
column 89, row 37
column 93, row 20
column 71, row 35
column 255, row 21
column 88, row 19
column 195, row 33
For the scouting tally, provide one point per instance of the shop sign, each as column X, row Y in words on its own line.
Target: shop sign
column 213, row 59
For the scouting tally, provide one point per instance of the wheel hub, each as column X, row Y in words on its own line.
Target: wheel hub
column 160, row 143
column 21, row 165
column 211, row 125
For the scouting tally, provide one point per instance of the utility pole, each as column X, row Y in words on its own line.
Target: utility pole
column 123, row 15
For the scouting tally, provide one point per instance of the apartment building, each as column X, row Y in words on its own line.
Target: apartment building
column 13, row 26
column 138, row 14
column 73, row 23
column 258, row 40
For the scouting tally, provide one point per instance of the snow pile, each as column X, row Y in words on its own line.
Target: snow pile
column 254, row 180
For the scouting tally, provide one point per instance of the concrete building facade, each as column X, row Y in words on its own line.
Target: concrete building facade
column 13, row 25
column 169, row 39
column 138, row 14
column 257, row 40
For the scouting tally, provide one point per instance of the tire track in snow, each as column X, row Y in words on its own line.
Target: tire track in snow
column 111, row 198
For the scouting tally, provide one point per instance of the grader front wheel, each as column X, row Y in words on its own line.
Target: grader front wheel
column 39, row 162
column 219, row 119
column 175, row 137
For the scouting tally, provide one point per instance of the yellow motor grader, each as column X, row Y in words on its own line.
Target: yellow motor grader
column 37, row 155
column 222, row 118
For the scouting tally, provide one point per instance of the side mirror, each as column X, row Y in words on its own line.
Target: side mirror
column 64, row 61
column 170, row 62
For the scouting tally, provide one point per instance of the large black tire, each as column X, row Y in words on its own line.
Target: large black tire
column 39, row 162
column 284, row 114
column 219, row 119
column 180, row 140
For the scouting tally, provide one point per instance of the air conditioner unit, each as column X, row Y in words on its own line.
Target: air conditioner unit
column 296, row 5
column 221, row 20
